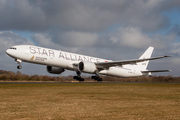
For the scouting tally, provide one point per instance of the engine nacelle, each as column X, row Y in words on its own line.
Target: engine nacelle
column 87, row 67
column 55, row 70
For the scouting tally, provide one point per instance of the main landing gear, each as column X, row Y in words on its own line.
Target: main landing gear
column 19, row 62
column 78, row 77
column 97, row 78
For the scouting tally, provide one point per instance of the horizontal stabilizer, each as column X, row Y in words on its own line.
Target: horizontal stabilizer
column 147, row 71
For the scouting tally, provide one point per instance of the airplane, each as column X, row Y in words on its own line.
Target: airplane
column 57, row 61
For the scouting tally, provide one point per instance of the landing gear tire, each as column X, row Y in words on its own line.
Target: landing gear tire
column 97, row 78
column 81, row 80
column 78, row 78
column 75, row 77
column 19, row 67
column 100, row 79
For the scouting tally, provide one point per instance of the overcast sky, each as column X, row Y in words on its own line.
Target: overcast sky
column 110, row 29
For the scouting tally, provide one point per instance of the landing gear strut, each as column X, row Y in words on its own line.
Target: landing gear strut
column 78, row 77
column 96, row 77
column 19, row 62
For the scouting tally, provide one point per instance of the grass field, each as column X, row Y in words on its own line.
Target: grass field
column 90, row 101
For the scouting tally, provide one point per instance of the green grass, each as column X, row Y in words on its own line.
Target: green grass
column 89, row 101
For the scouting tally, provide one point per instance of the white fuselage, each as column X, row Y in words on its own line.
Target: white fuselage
column 58, row 58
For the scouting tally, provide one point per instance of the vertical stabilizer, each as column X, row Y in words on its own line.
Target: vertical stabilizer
column 146, row 54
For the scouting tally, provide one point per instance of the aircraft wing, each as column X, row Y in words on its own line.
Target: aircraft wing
column 106, row 65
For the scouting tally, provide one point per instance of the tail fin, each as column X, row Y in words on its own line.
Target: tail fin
column 147, row 54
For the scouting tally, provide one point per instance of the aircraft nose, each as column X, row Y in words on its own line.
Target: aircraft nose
column 7, row 52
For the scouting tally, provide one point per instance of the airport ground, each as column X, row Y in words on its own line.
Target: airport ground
column 96, row 101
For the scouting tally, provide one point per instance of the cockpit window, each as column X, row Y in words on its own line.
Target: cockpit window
column 13, row 48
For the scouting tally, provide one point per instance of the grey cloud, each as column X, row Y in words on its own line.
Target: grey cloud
column 119, row 41
column 123, row 37
column 19, row 15
column 82, row 15
column 175, row 30
column 8, row 39
column 78, row 39
column 167, row 5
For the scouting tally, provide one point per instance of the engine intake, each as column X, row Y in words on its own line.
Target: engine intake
column 87, row 67
column 55, row 70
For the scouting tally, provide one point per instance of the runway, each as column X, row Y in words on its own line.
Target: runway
column 77, row 82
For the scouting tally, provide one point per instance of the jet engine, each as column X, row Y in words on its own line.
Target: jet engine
column 87, row 67
column 55, row 70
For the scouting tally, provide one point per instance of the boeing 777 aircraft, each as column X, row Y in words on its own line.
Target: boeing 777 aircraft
column 57, row 61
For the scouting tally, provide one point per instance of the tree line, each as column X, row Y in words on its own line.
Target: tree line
column 18, row 76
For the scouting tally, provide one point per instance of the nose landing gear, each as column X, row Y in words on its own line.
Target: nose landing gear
column 19, row 67
column 18, row 62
